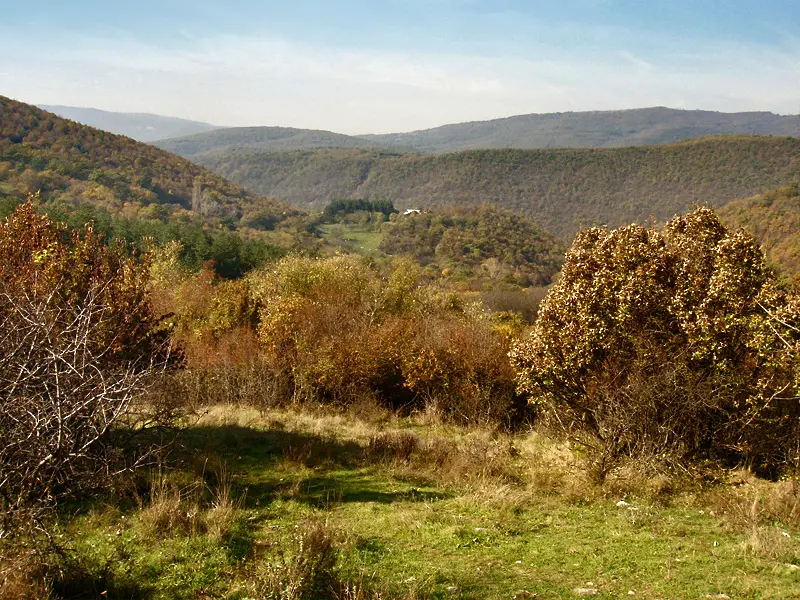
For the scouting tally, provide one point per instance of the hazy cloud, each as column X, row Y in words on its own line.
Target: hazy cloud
column 272, row 80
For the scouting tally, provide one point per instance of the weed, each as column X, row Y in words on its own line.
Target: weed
column 772, row 543
column 308, row 573
column 172, row 510
column 222, row 514
column 397, row 446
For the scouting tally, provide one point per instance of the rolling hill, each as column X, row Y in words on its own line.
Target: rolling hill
column 144, row 127
column 259, row 138
column 498, row 244
column 596, row 129
column 615, row 128
column 561, row 189
column 71, row 163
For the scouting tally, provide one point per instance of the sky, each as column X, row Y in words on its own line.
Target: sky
column 379, row 66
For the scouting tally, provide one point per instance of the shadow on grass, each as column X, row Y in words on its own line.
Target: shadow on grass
column 247, row 448
column 252, row 455
column 76, row 582
column 337, row 487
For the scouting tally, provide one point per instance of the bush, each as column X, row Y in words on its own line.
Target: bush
column 672, row 342
column 335, row 330
column 79, row 342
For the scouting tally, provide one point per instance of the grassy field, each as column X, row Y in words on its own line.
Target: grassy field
column 356, row 238
column 305, row 504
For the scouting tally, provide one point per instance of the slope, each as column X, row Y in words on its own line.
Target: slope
column 614, row 128
column 561, row 189
column 73, row 163
column 484, row 241
column 144, row 127
column 260, row 138
column 773, row 218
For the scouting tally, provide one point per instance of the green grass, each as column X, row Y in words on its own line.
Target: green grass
column 357, row 238
column 469, row 514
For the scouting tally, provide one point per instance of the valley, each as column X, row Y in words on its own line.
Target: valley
column 567, row 372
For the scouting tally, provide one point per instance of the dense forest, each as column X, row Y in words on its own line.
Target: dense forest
column 562, row 189
column 482, row 242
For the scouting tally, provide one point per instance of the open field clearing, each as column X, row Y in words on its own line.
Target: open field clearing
column 320, row 504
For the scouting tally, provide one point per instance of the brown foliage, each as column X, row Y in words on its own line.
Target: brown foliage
column 336, row 331
column 79, row 343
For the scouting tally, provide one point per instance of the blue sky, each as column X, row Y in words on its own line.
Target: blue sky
column 358, row 67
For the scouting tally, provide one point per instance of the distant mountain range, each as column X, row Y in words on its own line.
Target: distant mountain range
column 562, row 189
column 143, row 127
column 595, row 129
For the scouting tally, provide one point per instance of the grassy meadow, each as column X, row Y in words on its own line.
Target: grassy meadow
column 323, row 503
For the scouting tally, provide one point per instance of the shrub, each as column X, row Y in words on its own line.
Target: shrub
column 459, row 367
column 336, row 330
column 79, row 342
column 677, row 341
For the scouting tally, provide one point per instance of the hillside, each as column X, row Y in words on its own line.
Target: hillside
column 561, row 189
column 260, row 138
column 144, row 127
column 773, row 218
column 595, row 129
column 70, row 163
column 484, row 241
column 615, row 128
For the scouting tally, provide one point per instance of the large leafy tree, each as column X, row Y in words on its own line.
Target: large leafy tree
column 675, row 342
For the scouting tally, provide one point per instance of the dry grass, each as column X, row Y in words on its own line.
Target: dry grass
column 748, row 501
column 22, row 575
column 771, row 543
column 221, row 515
column 306, row 568
column 395, row 446
column 491, row 463
column 176, row 509
column 359, row 507
column 172, row 510
column 767, row 512
column 306, row 572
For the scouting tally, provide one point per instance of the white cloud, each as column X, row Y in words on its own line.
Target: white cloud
column 270, row 80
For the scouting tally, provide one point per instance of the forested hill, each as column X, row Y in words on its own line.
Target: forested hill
column 614, row 128
column 260, row 138
column 69, row 162
column 773, row 218
column 595, row 129
column 561, row 189
column 495, row 243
